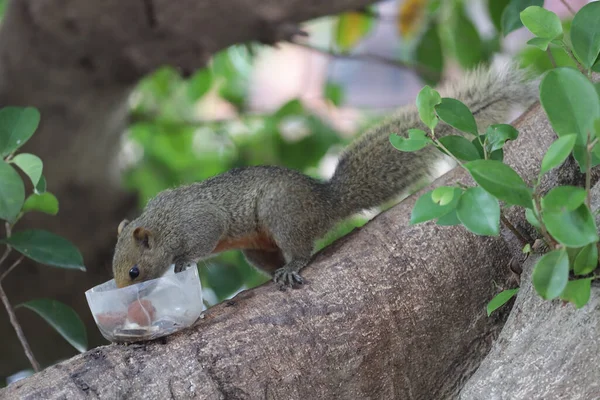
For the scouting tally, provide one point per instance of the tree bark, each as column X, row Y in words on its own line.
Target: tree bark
column 77, row 62
column 390, row 311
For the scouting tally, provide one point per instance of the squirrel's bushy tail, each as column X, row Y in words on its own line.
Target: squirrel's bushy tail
column 371, row 171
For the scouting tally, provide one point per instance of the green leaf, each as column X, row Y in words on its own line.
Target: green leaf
column 577, row 292
column 17, row 125
column 45, row 202
column 539, row 61
column 498, row 134
column 442, row 195
column 511, row 17
column 558, row 152
column 479, row 212
column 540, row 43
column 465, row 40
column 62, row 318
column 46, row 248
column 426, row 209
column 572, row 228
column 417, row 139
column 563, row 198
column 449, row 219
column 31, row 165
column 501, row 181
column 427, row 99
column 551, row 274
column 572, row 105
column 12, row 192
column 456, row 114
column 541, row 22
column 429, row 54
column 351, row 28
column 526, row 249
column 586, row 260
column 500, row 299
column 532, row 219
column 334, row 93
column 200, row 83
column 41, row 186
column 585, row 36
column 497, row 155
column 460, row 147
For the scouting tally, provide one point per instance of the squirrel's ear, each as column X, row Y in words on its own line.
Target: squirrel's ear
column 142, row 236
column 122, row 226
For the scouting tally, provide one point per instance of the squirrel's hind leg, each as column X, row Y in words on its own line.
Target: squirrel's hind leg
column 268, row 261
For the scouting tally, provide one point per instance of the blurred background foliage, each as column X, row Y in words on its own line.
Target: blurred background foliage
column 187, row 129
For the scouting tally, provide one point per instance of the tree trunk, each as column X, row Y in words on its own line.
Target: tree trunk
column 390, row 311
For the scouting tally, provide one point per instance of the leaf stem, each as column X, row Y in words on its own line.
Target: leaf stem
column 18, row 330
column 437, row 142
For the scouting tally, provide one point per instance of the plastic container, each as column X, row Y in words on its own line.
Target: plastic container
column 147, row 310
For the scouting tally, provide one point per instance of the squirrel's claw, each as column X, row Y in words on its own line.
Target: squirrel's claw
column 287, row 277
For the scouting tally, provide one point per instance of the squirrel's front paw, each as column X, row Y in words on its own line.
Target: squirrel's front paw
column 287, row 277
column 182, row 265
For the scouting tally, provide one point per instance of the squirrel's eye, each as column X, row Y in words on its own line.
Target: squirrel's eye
column 134, row 272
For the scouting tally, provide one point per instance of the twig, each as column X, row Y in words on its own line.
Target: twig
column 588, row 172
column 371, row 57
column 6, row 253
column 571, row 10
column 536, row 210
column 552, row 60
column 10, row 310
column 13, row 266
column 514, row 230
column 377, row 15
column 18, row 330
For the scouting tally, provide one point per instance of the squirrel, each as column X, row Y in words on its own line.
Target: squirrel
column 274, row 215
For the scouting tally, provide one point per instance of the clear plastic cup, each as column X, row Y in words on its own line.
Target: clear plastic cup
column 147, row 310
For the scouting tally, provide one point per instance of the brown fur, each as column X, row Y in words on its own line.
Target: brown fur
column 275, row 214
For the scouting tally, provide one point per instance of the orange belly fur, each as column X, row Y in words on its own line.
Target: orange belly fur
column 257, row 241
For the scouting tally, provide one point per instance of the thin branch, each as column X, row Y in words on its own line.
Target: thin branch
column 5, row 255
column 571, row 10
column 378, row 16
column 371, row 57
column 13, row 266
column 588, row 172
column 18, row 330
column 514, row 230
column 552, row 60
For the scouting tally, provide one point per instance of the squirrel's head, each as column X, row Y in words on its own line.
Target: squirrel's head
column 138, row 255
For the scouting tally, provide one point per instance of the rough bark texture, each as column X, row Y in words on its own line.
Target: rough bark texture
column 547, row 350
column 390, row 311
column 77, row 62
